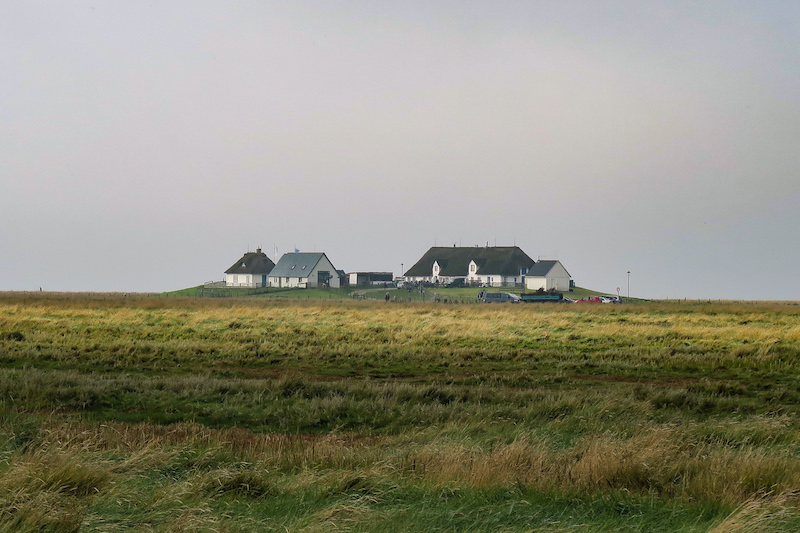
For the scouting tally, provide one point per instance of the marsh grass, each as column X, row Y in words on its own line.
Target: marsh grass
column 201, row 415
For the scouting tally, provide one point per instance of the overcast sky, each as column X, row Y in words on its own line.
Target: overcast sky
column 144, row 146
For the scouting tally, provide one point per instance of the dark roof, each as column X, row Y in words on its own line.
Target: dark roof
column 252, row 263
column 454, row 261
column 297, row 264
column 542, row 268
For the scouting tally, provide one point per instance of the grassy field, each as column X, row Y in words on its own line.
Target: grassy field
column 223, row 414
column 429, row 294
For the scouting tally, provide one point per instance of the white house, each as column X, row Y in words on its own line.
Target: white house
column 497, row 266
column 304, row 269
column 547, row 275
column 249, row 271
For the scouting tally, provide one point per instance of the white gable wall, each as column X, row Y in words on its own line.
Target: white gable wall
column 323, row 265
column 556, row 279
column 472, row 274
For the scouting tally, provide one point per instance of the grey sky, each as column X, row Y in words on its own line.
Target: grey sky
column 144, row 146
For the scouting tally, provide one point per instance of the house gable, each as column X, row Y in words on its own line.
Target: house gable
column 547, row 275
column 302, row 269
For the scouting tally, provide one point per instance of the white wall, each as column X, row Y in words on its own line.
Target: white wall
column 274, row 281
column 243, row 280
column 239, row 280
column 495, row 280
column 547, row 283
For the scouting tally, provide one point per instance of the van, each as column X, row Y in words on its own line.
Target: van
column 498, row 297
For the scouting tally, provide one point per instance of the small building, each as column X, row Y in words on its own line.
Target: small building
column 360, row 279
column 304, row 270
column 496, row 266
column 548, row 275
column 249, row 271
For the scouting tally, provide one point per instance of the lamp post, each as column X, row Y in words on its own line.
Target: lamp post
column 401, row 271
column 629, row 284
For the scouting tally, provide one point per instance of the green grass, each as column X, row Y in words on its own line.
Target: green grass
column 430, row 294
column 289, row 414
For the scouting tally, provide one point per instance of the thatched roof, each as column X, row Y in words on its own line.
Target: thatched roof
column 252, row 263
column 454, row 261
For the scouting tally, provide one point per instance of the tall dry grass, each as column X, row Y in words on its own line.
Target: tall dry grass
column 660, row 461
column 664, row 460
column 692, row 405
column 172, row 475
column 762, row 513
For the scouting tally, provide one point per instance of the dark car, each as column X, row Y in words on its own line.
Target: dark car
column 498, row 297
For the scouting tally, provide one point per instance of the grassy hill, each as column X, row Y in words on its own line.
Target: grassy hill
column 452, row 295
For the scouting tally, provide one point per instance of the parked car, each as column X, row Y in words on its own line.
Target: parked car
column 611, row 299
column 498, row 297
column 590, row 299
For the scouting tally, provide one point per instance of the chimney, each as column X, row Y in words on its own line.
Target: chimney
column 258, row 250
